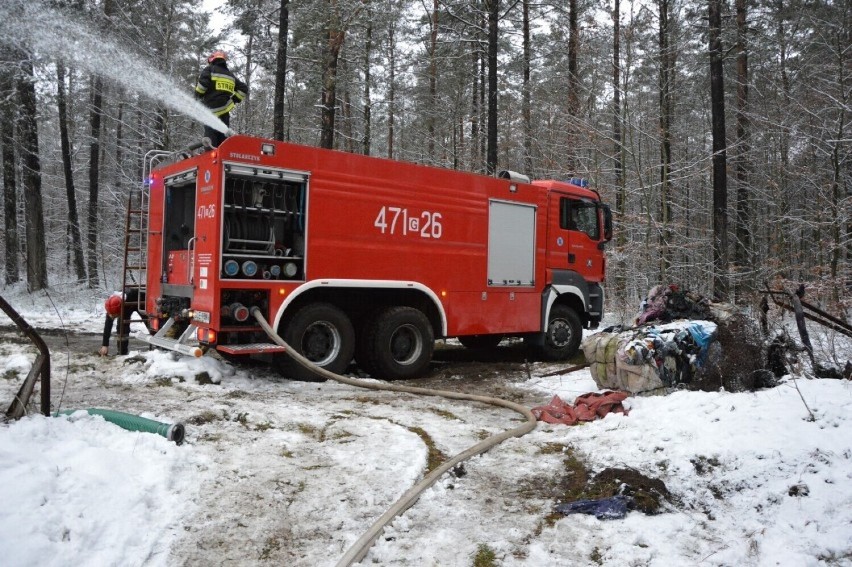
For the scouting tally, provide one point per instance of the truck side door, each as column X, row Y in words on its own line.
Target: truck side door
column 179, row 230
column 574, row 234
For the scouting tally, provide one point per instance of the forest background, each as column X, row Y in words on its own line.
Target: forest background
column 720, row 133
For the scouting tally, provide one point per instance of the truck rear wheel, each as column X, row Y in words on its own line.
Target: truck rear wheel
column 401, row 342
column 323, row 334
column 562, row 337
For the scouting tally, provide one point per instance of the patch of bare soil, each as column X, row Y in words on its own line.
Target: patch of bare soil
column 60, row 342
column 495, row 372
column 576, row 482
column 648, row 494
column 454, row 367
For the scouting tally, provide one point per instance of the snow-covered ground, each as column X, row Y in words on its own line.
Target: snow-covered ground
column 292, row 473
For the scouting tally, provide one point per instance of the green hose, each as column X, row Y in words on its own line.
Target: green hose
column 172, row 432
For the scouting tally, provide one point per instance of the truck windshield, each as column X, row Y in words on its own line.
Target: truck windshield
column 580, row 215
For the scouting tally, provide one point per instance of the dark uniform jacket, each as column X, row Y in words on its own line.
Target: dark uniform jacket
column 219, row 89
column 132, row 299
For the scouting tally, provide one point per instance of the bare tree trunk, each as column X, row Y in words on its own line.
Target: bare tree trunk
column 433, row 81
column 348, row 132
column 34, row 211
column 281, row 71
column 119, row 146
column 475, row 111
column 491, row 158
column 743, row 250
column 618, row 147
column 525, row 101
column 796, row 300
column 841, row 48
column 76, row 245
column 95, row 118
column 94, row 180
column 836, row 197
column 458, row 140
column 159, row 128
column 665, row 79
column 334, row 41
column 246, row 112
column 10, row 187
column 482, row 107
column 335, row 36
column 618, row 150
column 572, row 153
column 781, row 241
column 720, row 181
column 391, row 87
column 368, row 53
column 459, row 125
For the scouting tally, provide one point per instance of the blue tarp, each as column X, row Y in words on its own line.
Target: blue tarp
column 612, row 508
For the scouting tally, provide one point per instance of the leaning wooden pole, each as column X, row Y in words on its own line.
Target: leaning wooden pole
column 41, row 368
column 812, row 313
column 796, row 300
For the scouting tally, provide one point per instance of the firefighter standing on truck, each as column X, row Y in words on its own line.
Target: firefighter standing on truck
column 219, row 89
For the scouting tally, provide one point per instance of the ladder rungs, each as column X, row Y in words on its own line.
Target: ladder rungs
column 135, row 248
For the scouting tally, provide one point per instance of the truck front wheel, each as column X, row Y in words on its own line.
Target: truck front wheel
column 562, row 337
column 401, row 342
column 323, row 334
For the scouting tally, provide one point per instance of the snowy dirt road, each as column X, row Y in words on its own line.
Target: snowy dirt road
column 296, row 471
column 280, row 472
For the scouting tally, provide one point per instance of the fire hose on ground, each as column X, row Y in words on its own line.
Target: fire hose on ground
column 171, row 431
column 360, row 548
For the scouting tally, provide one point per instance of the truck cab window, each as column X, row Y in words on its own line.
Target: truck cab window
column 579, row 215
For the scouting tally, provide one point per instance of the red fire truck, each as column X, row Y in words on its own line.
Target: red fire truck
column 354, row 257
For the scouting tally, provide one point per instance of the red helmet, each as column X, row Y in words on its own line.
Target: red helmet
column 218, row 54
column 113, row 305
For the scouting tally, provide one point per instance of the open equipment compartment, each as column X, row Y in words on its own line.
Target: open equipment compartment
column 263, row 226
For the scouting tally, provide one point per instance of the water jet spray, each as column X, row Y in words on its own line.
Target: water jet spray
column 61, row 34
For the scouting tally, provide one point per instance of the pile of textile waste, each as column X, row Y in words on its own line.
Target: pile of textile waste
column 678, row 342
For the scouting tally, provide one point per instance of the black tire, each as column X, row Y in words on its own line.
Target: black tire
column 480, row 342
column 401, row 342
column 562, row 337
column 323, row 334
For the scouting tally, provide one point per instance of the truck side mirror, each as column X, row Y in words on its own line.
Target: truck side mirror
column 607, row 214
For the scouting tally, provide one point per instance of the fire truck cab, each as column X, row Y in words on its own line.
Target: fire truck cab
column 354, row 257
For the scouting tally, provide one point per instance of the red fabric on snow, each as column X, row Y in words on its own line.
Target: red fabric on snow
column 587, row 407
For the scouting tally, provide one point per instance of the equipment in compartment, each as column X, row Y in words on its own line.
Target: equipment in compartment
column 263, row 228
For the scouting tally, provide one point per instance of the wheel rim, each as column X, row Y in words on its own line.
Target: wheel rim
column 321, row 343
column 406, row 345
column 560, row 333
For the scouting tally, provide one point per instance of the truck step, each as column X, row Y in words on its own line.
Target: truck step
column 255, row 348
column 163, row 339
